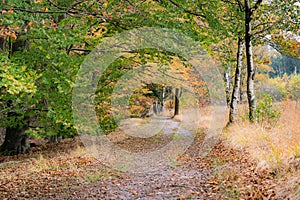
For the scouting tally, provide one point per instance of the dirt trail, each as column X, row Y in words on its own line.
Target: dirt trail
column 167, row 183
column 152, row 177
column 67, row 171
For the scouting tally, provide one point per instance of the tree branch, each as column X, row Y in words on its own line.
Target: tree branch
column 263, row 30
column 186, row 10
column 238, row 3
column 32, row 11
column 242, row 7
column 257, row 4
column 78, row 49
column 57, row 6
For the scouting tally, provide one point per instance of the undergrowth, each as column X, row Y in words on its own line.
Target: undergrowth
column 274, row 142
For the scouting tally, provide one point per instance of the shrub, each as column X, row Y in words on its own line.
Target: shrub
column 294, row 87
column 266, row 111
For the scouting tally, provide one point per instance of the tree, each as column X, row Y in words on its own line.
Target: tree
column 44, row 42
column 176, row 102
column 283, row 64
column 237, row 82
column 57, row 35
column 249, row 56
column 40, row 60
column 260, row 18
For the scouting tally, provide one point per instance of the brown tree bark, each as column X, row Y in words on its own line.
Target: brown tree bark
column 176, row 104
column 16, row 140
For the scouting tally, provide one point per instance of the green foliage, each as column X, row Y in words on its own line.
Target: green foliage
column 266, row 111
column 284, row 65
column 36, row 80
column 16, row 78
column 294, row 87
column 36, row 133
column 275, row 87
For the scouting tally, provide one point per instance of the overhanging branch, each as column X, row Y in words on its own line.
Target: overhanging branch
column 32, row 11
column 257, row 4
column 186, row 10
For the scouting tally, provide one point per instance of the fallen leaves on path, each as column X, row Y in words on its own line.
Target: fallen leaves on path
column 67, row 171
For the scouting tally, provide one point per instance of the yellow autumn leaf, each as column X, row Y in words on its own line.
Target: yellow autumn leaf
column 10, row 11
column 44, row 9
column 12, row 35
column 16, row 28
column 30, row 23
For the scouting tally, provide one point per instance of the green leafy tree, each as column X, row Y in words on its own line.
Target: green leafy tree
column 40, row 60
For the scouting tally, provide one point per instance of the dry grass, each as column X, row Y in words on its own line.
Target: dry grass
column 276, row 148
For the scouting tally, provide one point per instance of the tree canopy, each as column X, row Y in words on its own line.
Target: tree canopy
column 44, row 42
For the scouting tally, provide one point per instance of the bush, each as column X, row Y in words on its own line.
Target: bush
column 266, row 111
column 275, row 87
column 294, row 87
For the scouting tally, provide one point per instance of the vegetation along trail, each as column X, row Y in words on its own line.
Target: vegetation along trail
column 152, row 99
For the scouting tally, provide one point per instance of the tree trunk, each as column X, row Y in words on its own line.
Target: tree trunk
column 3, row 45
column 176, row 106
column 162, row 99
column 155, row 107
column 2, row 135
column 237, row 82
column 241, row 89
column 227, row 83
column 55, row 139
column 15, row 142
column 250, row 64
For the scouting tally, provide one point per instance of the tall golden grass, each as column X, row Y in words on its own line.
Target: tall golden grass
column 274, row 146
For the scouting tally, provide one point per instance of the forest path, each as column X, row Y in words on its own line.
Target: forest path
column 68, row 171
column 163, row 183
column 152, row 177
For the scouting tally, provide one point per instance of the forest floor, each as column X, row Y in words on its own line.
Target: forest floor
column 67, row 170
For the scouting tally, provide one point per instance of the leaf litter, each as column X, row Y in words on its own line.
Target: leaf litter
column 67, row 171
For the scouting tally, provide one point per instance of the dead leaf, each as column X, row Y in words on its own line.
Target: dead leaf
column 133, row 192
column 181, row 196
column 151, row 195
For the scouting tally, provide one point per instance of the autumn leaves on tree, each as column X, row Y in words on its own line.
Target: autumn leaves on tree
column 43, row 43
